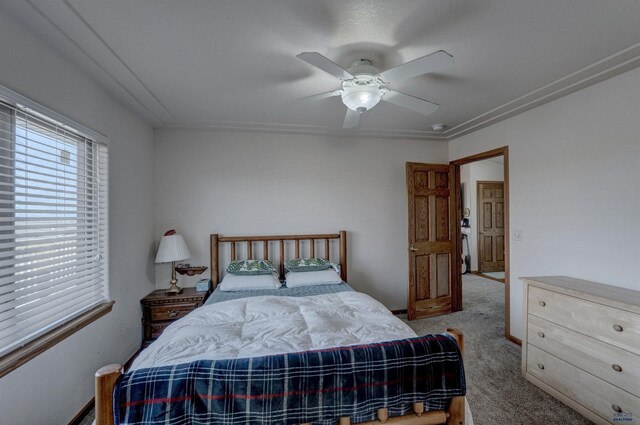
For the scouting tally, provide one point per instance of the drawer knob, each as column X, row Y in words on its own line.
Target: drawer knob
column 173, row 313
column 617, row 328
column 542, row 303
column 541, row 334
column 540, row 366
column 616, row 408
column 617, row 368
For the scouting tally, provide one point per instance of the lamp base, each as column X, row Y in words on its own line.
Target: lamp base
column 174, row 290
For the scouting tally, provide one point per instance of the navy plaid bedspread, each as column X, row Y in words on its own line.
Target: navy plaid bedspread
column 313, row 386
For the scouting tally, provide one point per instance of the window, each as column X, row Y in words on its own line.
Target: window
column 53, row 223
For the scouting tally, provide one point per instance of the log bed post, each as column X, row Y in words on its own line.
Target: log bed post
column 456, row 408
column 213, row 258
column 343, row 254
column 106, row 378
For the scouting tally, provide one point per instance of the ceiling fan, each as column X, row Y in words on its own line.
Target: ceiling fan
column 363, row 85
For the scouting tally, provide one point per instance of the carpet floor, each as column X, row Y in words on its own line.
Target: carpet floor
column 496, row 275
column 496, row 391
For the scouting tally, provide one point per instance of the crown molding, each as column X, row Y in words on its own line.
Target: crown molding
column 616, row 64
column 238, row 126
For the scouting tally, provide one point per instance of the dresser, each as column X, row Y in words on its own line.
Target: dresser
column 159, row 310
column 581, row 344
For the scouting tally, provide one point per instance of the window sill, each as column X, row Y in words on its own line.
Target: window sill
column 17, row 358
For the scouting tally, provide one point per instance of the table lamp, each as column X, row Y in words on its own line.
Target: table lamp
column 172, row 248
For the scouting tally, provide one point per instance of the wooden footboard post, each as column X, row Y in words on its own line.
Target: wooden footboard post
column 458, row 336
column 106, row 378
column 456, row 409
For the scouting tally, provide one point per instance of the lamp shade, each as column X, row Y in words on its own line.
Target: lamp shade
column 172, row 248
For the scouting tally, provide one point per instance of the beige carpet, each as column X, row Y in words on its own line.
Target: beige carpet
column 496, row 391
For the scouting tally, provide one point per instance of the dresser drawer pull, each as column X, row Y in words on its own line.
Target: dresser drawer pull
column 173, row 313
column 617, row 368
column 616, row 408
column 540, row 366
column 542, row 303
column 541, row 334
column 617, row 328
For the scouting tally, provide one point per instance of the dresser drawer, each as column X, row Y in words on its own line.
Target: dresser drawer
column 614, row 326
column 616, row 366
column 171, row 312
column 597, row 395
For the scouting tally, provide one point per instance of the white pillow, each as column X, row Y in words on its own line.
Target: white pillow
column 321, row 277
column 233, row 282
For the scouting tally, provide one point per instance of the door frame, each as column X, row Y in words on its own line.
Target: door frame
column 458, row 163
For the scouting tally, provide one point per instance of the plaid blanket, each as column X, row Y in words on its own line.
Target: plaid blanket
column 312, row 386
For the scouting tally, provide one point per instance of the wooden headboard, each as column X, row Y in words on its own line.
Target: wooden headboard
column 264, row 243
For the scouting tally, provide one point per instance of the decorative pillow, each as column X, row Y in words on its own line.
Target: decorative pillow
column 251, row 267
column 321, row 277
column 234, row 282
column 307, row 264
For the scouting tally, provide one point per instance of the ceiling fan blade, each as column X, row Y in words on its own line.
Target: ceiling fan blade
column 423, row 65
column 319, row 61
column 351, row 119
column 320, row 96
column 415, row 104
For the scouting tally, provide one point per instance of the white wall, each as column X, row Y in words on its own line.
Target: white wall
column 248, row 183
column 54, row 386
column 574, row 192
column 471, row 174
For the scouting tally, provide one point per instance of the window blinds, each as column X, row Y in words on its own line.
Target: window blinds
column 53, row 225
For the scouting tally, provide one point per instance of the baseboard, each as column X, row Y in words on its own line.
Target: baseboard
column 77, row 419
column 515, row 340
column 399, row 311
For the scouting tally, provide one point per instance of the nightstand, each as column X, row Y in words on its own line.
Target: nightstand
column 159, row 310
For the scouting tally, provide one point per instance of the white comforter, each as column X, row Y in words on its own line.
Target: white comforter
column 259, row 326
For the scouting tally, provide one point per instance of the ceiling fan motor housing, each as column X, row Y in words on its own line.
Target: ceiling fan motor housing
column 362, row 92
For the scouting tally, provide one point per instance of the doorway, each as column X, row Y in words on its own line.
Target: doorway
column 497, row 244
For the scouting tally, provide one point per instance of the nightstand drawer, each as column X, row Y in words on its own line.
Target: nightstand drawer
column 158, row 328
column 159, row 310
column 171, row 312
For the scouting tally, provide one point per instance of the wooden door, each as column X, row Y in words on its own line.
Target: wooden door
column 490, row 226
column 432, row 217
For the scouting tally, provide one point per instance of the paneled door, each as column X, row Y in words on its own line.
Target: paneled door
column 490, row 226
column 432, row 217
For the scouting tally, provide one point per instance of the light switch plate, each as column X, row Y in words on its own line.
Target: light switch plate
column 517, row 235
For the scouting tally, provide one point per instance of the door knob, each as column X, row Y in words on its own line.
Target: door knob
column 412, row 249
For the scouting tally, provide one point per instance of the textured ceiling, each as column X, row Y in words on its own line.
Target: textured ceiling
column 232, row 65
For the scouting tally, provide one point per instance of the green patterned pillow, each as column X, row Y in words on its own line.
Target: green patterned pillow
column 251, row 267
column 307, row 264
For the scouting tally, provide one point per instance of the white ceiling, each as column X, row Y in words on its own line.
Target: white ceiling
column 232, row 65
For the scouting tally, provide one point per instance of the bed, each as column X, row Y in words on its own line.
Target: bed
column 312, row 354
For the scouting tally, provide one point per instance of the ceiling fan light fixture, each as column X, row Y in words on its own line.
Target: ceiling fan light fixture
column 361, row 98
